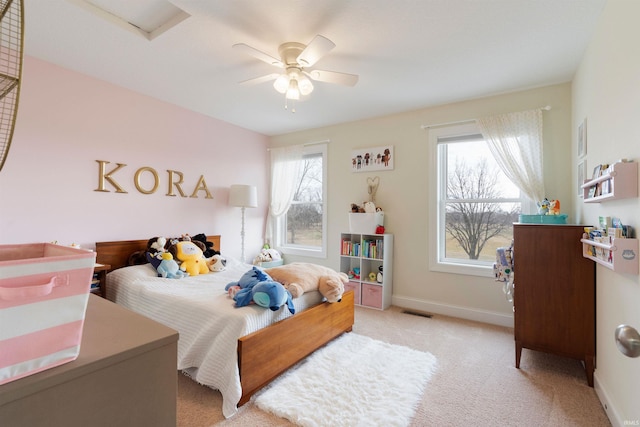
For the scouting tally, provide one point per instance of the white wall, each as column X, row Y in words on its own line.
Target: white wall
column 606, row 90
column 67, row 121
column 403, row 196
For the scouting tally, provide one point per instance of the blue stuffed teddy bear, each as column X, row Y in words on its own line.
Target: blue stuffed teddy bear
column 169, row 268
column 257, row 286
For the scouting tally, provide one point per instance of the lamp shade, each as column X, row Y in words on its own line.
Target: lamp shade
column 243, row 196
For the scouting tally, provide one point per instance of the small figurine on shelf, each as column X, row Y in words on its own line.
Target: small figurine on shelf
column 356, row 273
column 380, row 274
column 554, row 207
column 372, row 276
column 543, row 206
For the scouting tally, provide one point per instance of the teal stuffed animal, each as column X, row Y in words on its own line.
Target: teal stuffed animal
column 256, row 286
column 169, row 268
column 272, row 295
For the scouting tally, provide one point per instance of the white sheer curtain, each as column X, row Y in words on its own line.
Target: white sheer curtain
column 515, row 140
column 286, row 167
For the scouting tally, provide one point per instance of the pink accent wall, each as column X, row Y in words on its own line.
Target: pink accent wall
column 67, row 121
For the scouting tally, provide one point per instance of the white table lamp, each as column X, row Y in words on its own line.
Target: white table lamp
column 243, row 196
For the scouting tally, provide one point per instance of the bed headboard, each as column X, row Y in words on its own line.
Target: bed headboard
column 117, row 253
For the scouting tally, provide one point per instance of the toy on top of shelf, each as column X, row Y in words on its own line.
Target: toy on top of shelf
column 543, row 206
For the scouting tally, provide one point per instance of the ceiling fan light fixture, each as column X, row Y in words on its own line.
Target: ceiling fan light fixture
column 305, row 85
column 293, row 92
column 282, row 83
column 296, row 80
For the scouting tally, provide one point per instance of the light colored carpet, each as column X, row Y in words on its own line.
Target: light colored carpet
column 476, row 382
column 354, row 380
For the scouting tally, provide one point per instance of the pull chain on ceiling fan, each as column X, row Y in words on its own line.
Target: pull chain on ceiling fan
column 296, row 58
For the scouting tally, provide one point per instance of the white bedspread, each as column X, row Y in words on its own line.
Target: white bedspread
column 200, row 310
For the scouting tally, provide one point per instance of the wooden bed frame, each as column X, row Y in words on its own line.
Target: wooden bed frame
column 264, row 354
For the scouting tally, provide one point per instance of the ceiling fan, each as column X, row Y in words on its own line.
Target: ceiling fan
column 295, row 59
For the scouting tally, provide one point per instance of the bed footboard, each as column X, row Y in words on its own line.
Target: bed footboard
column 265, row 354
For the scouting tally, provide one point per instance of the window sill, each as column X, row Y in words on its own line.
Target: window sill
column 466, row 269
column 304, row 252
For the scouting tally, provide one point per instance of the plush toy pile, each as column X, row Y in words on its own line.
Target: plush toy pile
column 548, row 207
column 178, row 257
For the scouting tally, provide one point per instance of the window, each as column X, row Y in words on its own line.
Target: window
column 301, row 231
column 476, row 203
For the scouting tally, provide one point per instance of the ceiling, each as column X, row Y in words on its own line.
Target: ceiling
column 409, row 54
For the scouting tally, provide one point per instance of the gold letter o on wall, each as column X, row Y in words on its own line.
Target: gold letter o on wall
column 155, row 180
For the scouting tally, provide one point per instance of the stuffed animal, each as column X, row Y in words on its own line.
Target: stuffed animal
column 138, row 258
column 272, row 295
column 554, row 207
column 169, row 268
column 156, row 244
column 267, row 254
column 258, row 287
column 217, row 263
column 247, row 281
column 299, row 277
column 543, row 206
column 369, row 207
column 208, row 250
column 153, row 258
column 190, row 256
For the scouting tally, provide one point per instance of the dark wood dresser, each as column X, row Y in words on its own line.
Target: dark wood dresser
column 554, row 300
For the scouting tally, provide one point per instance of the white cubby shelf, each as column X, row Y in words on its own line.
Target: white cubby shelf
column 367, row 253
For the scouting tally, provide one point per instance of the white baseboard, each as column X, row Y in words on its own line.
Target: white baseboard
column 605, row 400
column 468, row 313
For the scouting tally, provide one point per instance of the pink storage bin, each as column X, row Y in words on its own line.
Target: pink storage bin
column 355, row 287
column 372, row 295
column 44, row 289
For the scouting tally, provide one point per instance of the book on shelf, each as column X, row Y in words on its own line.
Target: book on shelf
column 372, row 248
column 350, row 248
column 596, row 171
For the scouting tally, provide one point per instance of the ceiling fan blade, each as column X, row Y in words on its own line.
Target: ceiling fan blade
column 333, row 77
column 261, row 79
column 315, row 50
column 258, row 54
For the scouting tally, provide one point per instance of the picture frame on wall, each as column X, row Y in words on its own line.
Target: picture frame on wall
column 582, row 167
column 372, row 159
column 582, row 139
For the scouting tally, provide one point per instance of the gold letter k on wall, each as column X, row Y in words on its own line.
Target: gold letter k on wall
column 104, row 176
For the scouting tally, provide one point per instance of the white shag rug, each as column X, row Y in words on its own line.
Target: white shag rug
column 352, row 381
